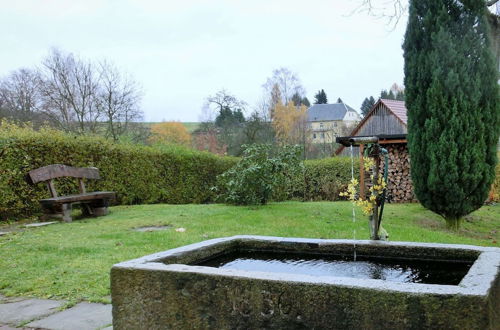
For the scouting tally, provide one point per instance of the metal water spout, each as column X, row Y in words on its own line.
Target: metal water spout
column 356, row 141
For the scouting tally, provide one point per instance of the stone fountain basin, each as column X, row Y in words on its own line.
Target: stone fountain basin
column 166, row 291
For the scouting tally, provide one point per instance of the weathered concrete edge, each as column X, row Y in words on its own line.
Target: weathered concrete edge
column 477, row 282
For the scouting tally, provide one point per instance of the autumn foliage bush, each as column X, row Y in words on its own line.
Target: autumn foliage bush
column 138, row 174
column 170, row 132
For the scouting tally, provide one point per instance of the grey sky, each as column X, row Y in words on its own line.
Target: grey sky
column 183, row 51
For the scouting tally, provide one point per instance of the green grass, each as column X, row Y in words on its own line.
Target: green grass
column 72, row 260
column 190, row 126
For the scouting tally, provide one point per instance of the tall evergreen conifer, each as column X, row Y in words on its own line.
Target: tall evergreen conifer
column 452, row 98
column 320, row 97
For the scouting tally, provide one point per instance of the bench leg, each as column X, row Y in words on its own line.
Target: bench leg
column 87, row 210
column 66, row 212
column 57, row 211
column 99, row 207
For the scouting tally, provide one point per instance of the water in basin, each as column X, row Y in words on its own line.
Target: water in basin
column 365, row 267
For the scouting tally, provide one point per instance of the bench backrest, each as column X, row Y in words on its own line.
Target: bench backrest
column 50, row 172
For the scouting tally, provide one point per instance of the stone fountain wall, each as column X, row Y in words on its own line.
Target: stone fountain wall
column 164, row 291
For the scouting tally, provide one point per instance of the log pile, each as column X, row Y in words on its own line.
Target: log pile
column 399, row 187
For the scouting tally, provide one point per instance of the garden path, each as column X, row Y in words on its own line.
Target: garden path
column 21, row 313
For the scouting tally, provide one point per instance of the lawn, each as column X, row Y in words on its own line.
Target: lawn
column 72, row 260
column 190, row 125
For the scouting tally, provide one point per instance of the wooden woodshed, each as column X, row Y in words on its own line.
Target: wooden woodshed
column 388, row 121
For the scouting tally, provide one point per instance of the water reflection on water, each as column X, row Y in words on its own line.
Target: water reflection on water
column 406, row 271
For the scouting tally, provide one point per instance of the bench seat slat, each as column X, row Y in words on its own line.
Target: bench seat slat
column 79, row 197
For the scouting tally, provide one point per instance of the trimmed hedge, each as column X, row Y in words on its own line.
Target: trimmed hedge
column 138, row 174
column 325, row 178
column 495, row 189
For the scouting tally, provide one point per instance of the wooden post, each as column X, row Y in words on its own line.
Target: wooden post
column 374, row 221
column 81, row 185
column 361, row 172
column 52, row 188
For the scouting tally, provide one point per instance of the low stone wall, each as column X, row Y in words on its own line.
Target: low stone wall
column 163, row 291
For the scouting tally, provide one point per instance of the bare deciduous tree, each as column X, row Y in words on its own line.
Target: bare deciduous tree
column 20, row 94
column 393, row 10
column 117, row 100
column 70, row 86
column 287, row 82
column 75, row 95
column 224, row 100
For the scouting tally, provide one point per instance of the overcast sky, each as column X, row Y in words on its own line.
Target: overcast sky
column 183, row 51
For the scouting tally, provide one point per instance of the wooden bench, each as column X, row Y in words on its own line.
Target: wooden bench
column 93, row 203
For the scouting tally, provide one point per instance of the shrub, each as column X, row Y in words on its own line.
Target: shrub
column 495, row 189
column 324, row 179
column 138, row 174
column 260, row 176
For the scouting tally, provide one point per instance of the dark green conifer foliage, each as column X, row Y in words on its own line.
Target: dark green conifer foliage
column 367, row 105
column 453, row 103
column 305, row 101
column 323, row 97
column 299, row 100
column 320, row 97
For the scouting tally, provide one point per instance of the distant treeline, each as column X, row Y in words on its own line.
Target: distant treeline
column 74, row 95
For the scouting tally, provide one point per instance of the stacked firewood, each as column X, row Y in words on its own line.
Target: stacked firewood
column 399, row 187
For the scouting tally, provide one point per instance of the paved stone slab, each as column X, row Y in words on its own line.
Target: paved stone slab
column 5, row 300
column 39, row 224
column 152, row 228
column 82, row 317
column 6, row 327
column 27, row 310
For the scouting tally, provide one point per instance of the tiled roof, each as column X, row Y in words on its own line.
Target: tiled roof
column 327, row 112
column 398, row 108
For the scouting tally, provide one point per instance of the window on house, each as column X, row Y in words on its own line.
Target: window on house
column 322, row 135
column 320, row 125
column 314, row 135
column 335, row 124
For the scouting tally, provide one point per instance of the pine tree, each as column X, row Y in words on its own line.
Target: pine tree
column 228, row 117
column 367, row 105
column 323, row 97
column 384, row 94
column 305, row 101
column 297, row 99
column 320, row 97
column 339, row 100
column 372, row 102
column 400, row 96
column 317, row 97
column 453, row 103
